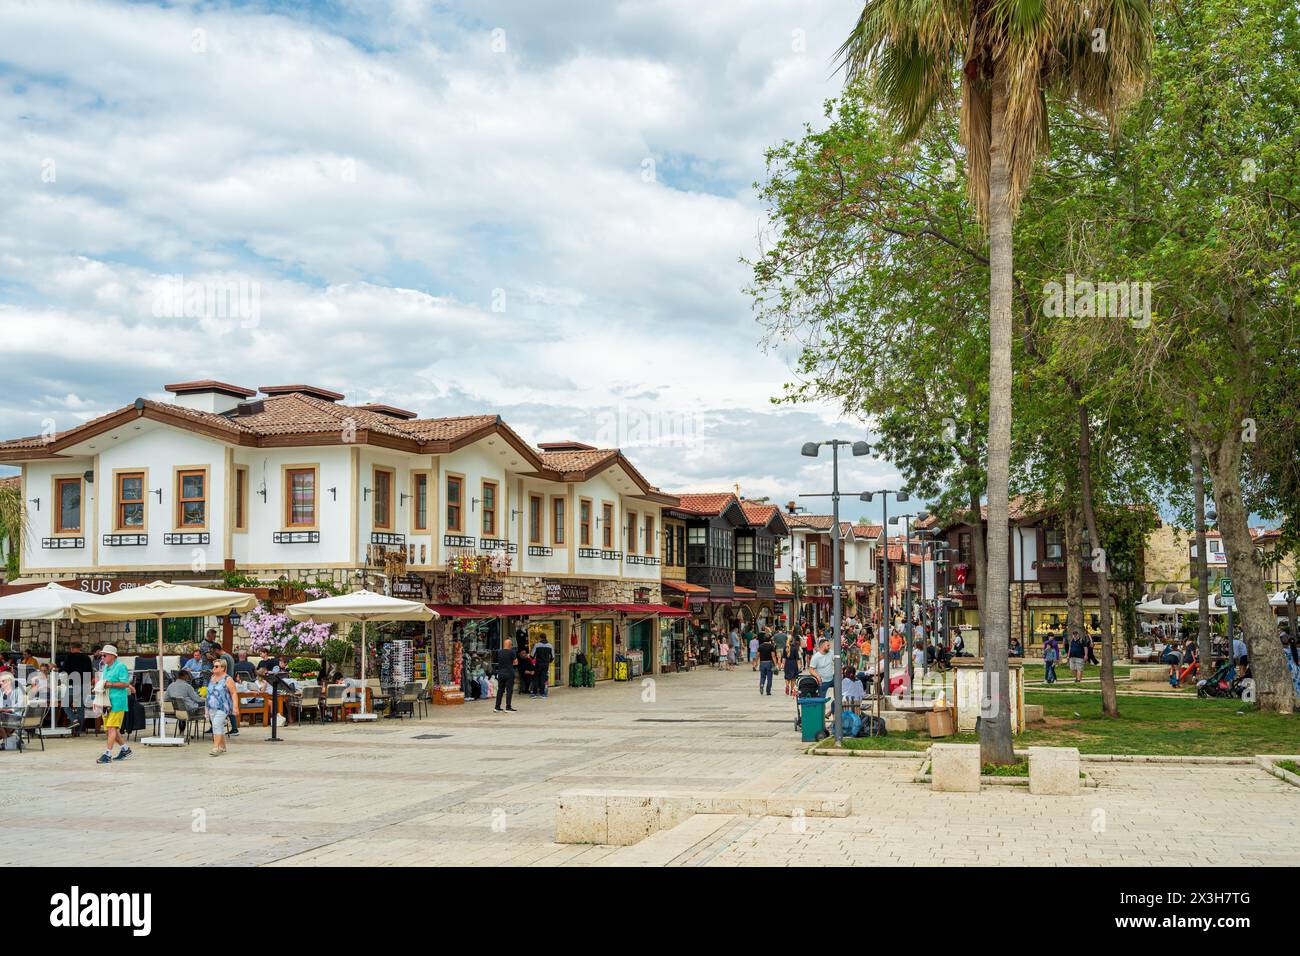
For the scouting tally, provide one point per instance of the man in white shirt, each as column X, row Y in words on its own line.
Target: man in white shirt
column 918, row 658
column 823, row 665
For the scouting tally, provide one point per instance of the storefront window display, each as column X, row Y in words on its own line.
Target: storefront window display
column 598, row 645
column 480, row 640
column 553, row 633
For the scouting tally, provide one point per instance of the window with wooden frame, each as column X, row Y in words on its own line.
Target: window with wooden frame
column 241, row 499
column 812, row 554
column 744, row 552
column 606, row 525
column 192, row 498
column 419, row 501
column 489, row 509
column 67, row 505
column 681, row 545
column 128, row 501
column 584, row 522
column 650, row 534
column 381, row 491
column 669, row 546
column 300, row 496
column 557, row 521
column 631, row 532
column 455, row 502
column 536, row 519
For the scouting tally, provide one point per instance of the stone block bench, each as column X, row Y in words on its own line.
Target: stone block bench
column 955, row 768
column 1054, row 771
column 1034, row 714
column 626, row 817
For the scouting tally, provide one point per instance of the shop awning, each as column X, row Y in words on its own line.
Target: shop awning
column 683, row 587
column 745, row 594
column 783, row 595
column 456, row 610
column 663, row 610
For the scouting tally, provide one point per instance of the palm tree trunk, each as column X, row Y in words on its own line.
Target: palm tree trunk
column 1109, row 703
column 995, row 630
column 1273, row 687
column 1202, row 562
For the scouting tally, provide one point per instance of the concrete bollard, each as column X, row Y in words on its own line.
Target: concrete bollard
column 955, row 768
column 1054, row 771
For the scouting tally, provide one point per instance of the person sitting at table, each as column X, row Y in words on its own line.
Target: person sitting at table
column 244, row 669
column 195, row 665
column 851, row 690
column 184, row 698
column 270, row 663
column 12, row 698
column 38, row 681
column 27, row 659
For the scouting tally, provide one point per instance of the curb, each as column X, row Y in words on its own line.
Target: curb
column 1190, row 760
column 1268, row 763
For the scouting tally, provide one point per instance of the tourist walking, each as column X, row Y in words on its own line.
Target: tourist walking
column 1077, row 654
column 753, row 651
column 116, row 680
column 791, row 667
column 1051, row 654
column 223, row 706
column 765, row 655
column 543, row 655
column 506, row 674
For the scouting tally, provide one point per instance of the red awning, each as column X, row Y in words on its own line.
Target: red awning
column 745, row 593
column 454, row 610
column 663, row 610
column 783, row 595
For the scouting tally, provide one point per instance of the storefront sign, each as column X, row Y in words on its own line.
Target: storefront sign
column 104, row 585
column 559, row 592
column 491, row 590
column 410, row 587
column 641, row 596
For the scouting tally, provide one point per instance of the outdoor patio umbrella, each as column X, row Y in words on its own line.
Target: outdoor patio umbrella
column 1192, row 607
column 51, row 603
column 361, row 606
column 1157, row 607
column 160, row 600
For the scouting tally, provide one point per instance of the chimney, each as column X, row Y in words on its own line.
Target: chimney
column 209, row 395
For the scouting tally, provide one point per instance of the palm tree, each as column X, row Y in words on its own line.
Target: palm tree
column 1009, row 54
column 13, row 517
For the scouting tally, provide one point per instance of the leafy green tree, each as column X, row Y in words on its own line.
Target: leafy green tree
column 1006, row 57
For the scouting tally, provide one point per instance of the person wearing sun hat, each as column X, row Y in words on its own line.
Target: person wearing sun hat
column 117, row 679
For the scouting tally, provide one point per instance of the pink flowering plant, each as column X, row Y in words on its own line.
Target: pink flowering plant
column 277, row 634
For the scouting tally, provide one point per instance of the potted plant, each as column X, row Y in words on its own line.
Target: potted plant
column 304, row 667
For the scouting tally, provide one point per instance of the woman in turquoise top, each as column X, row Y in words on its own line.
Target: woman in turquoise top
column 223, row 704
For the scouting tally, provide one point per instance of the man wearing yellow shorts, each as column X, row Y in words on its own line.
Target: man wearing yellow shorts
column 118, row 681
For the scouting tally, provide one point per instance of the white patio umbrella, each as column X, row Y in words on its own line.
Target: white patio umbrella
column 361, row 606
column 160, row 600
column 1157, row 607
column 1192, row 607
column 51, row 603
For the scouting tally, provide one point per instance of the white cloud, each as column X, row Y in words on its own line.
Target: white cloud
column 380, row 176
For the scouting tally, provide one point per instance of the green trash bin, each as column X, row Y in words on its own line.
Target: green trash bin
column 812, row 718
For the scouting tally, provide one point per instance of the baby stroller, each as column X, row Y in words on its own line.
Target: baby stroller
column 1218, row 684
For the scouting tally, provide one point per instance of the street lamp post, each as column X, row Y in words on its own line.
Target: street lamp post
column 907, row 593
column 882, row 635
column 810, row 450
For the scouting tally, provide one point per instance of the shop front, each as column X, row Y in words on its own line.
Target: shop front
column 597, row 646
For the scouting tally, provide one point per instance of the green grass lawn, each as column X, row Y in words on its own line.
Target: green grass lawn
column 1146, row 725
column 1091, row 672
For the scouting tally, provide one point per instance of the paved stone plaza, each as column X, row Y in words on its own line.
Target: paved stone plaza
column 468, row 786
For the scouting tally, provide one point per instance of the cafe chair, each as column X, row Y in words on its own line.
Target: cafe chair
column 336, row 702
column 310, row 701
column 378, row 696
column 27, row 722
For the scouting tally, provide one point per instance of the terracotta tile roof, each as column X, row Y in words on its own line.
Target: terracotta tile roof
column 683, row 587
column 577, row 459
column 210, row 385
column 298, row 413
column 896, row 554
column 314, row 391
column 814, row 522
column 868, row 531
column 13, row 481
column 706, row 503
column 565, row 446
column 390, row 410
column 757, row 512
column 447, row 429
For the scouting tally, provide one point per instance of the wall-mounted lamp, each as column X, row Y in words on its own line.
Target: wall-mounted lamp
column 88, row 477
column 402, row 496
column 262, row 491
column 158, row 492
column 472, row 503
column 36, row 502
column 334, row 493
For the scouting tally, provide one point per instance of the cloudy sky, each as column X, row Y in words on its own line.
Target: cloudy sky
column 536, row 209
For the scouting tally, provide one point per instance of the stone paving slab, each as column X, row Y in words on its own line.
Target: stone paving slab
column 485, row 793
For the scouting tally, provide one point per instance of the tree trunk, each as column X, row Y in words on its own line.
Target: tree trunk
column 1109, row 703
column 1273, row 688
column 1071, row 525
column 995, row 631
column 979, row 559
column 1202, row 562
